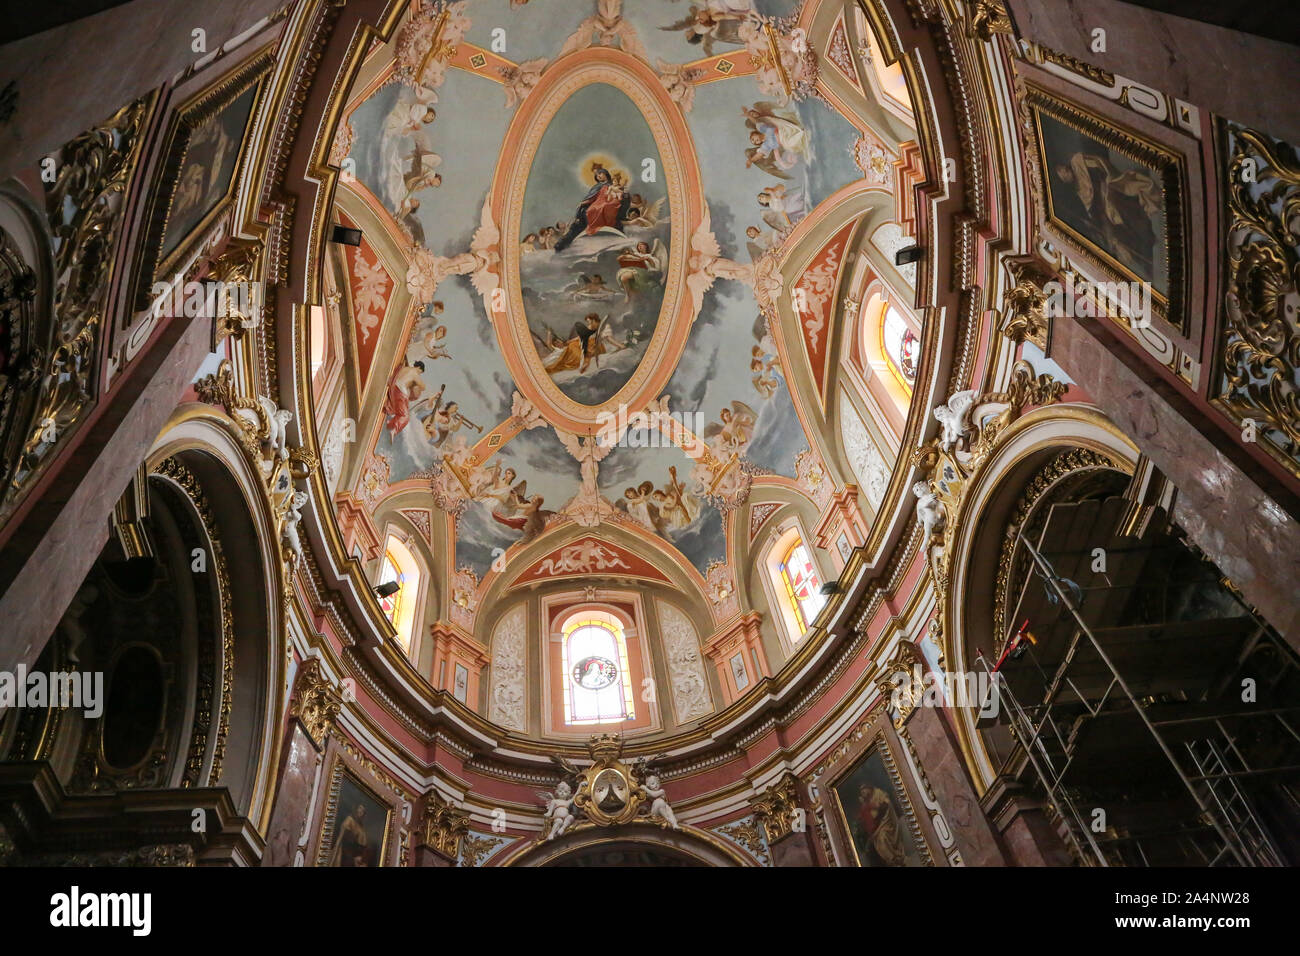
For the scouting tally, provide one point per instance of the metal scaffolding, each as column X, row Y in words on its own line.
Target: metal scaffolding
column 1089, row 703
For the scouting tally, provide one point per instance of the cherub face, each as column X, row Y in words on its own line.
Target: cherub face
column 652, row 782
column 437, row 179
column 437, row 308
column 430, row 115
column 756, row 138
column 642, row 247
column 752, row 232
column 563, row 791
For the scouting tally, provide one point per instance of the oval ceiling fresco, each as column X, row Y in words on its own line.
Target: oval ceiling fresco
column 597, row 190
column 595, row 241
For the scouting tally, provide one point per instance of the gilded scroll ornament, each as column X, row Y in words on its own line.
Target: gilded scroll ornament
column 777, row 808
column 443, row 825
column 84, row 206
column 1259, row 345
column 316, row 702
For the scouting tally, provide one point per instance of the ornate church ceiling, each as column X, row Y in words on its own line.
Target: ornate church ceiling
column 575, row 212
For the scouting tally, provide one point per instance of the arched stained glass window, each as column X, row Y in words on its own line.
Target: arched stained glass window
column 900, row 345
column 802, row 585
column 594, row 670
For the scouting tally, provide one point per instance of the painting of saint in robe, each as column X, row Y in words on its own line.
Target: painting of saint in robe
column 360, row 827
column 208, row 169
column 1108, row 199
column 605, row 206
column 875, row 819
column 589, row 339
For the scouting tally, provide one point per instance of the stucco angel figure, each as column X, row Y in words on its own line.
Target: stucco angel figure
column 954, row 417
column 929, row 509
column 275, row 422
column 559, row 816
column 289, row 536
column 659, row 808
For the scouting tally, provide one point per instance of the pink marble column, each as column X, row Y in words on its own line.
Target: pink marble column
column 945, row 768
column 1240, row 527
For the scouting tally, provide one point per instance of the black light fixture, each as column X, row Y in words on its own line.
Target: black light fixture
column 830, row 587
column 911, row 254
column 346, row 236
column 387, row 588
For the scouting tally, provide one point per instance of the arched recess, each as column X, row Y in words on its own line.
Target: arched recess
column 1059, row 441
column 149, row 625
column 198, row 440
column 693, row 847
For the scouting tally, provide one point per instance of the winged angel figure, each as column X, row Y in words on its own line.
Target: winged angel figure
column 480, row 263
column 715, row 21
column 560, row 815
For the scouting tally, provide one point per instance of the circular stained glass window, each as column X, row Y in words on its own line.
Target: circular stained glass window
column 594, row 672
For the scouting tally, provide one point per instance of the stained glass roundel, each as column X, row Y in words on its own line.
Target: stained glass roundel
column 595, row 672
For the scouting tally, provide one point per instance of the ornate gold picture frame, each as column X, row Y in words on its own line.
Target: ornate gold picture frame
column 207, row 144
column 356, row 823
column 1116, row 196
column 877, row 823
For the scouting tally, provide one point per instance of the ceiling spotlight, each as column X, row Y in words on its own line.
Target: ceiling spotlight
column 911, row 254
column 346, row 236
column 387, row 588
column 830, row 587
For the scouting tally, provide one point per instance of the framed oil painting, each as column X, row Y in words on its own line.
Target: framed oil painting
column 208, row 144
column 355, row 832
column 874, row 815
column 1115, row 195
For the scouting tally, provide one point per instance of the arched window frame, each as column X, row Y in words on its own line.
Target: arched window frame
column 885, row 382
column 794, row 618
column 894, row 323
column 408, row 613
column 887, row 81
column 576, row 626
column 558, row 611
